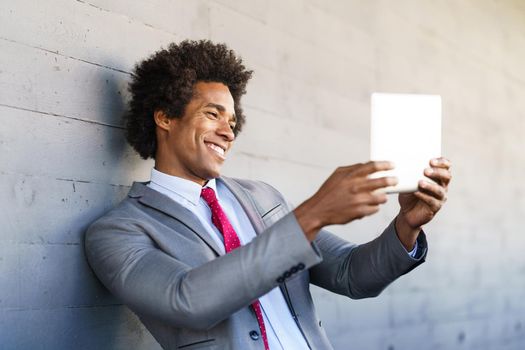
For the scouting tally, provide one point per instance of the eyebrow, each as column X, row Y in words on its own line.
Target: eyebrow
column 221, row 108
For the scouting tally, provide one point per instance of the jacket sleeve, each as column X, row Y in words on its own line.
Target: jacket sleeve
column 363, row 271
column 151, row 282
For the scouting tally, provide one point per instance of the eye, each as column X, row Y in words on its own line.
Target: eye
column 213, row 115
column 232, row 126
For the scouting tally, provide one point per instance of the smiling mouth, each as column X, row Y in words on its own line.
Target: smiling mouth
column 217, row 149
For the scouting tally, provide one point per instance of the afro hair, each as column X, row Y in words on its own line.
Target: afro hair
column 165, row 82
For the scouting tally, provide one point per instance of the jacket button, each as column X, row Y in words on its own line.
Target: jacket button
column 294, row 269
column 280, row 280
column 301, row 266
column 287, row 274
column 254, row 335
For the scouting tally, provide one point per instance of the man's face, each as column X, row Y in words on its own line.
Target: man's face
column 194, row 147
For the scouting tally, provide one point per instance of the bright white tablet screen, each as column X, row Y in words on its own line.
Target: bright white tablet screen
column 405, row 129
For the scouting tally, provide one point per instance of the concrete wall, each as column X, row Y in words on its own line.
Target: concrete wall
column 64, row 66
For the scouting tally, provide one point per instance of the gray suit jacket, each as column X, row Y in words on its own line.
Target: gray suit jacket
column 157, row 258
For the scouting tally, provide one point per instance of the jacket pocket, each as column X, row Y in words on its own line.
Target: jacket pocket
column 274, row 214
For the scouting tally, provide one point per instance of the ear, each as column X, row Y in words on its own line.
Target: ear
column 162, row 120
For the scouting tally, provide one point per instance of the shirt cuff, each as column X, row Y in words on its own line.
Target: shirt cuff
column 413, row 252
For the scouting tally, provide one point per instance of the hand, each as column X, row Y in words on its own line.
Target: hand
column 420, row 207
column 348, row 194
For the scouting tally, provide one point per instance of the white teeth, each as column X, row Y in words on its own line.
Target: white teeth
column 216, row 148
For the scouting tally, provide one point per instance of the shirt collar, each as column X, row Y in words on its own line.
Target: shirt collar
column 187, row 189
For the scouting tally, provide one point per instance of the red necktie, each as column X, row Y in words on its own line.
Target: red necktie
column 231, row 242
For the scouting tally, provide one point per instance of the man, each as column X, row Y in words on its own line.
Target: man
column 211, row 262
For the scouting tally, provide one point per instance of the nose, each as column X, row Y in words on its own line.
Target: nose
column 225, row 131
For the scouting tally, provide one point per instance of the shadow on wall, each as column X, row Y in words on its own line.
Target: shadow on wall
column 64, row 172
column 107, row 323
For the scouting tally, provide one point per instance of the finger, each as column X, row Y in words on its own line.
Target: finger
column 433, row 190
column 366, row 210
column 440, row 175
column 376, row 198
column 441, row 162
column 370, row 185
column 433, row 203
column 372, row 167
column 367, row 198
column 348, row 168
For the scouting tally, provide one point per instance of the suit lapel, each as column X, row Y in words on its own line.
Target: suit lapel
column 247, row 203
column 160, row 202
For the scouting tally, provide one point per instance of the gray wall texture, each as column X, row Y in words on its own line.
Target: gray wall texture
column 64, row 66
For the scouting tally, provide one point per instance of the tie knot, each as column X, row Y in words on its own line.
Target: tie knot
column 208, row 194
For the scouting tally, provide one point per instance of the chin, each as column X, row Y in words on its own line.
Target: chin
column 211, row 174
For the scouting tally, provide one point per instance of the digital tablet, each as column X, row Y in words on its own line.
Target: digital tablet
column 406, row 130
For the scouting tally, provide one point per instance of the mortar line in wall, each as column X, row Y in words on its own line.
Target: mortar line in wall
column 234, row 9
column 128, row 17
column 93, row 5
column 91, row 182
column 2, row 172
column 66, row 56
column 62, row 116
column 270, row 68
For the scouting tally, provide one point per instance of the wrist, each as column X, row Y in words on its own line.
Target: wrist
column 308, row 221
column 406, row 233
